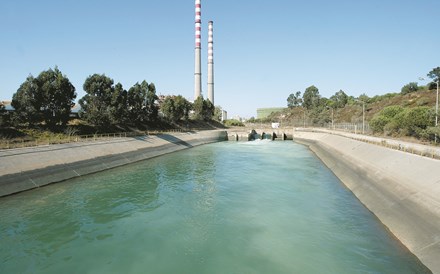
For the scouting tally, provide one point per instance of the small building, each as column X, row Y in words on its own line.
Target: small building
column 8, row 106
column 224, row 115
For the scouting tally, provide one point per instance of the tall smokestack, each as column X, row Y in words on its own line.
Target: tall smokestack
column 210, row 62
column 198, row 49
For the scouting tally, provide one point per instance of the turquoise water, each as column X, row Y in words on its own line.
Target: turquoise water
column 255, row 207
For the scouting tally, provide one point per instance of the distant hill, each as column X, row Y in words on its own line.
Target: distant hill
column 352, row 112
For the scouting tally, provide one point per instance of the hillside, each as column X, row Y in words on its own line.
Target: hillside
column 352, row 112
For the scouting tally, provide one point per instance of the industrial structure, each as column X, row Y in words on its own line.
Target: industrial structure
column 210, row 62
column 198, row 49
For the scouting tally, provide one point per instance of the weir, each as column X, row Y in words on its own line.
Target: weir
column 261, row 134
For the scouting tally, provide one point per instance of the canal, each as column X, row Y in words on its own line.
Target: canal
column 251, row 207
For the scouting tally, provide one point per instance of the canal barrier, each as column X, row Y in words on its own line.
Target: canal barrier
column 259, row 134
column 28, row 168
column 400, row 188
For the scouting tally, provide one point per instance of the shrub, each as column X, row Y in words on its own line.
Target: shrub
column 392, row 111
column 409, row 88
column 391, row 128
column 385, row 117
column 422, row 101
column 418, row 119
column 378, row 123
column 233, row 123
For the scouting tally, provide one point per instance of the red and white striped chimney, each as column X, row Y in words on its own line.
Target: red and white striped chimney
column 211, row 62
column 198, row 49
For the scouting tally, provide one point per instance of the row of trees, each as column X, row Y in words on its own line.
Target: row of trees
column 50, row 96
column 311, row 99
column 106, row 103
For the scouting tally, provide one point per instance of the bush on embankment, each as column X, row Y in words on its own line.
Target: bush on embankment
column 398, row 121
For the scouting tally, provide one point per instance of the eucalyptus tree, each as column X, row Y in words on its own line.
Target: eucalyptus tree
column 311, row 97
column 175, row 108
column 96, row 105
column 294, row 100
column 48, row 98
column 141, row 100
column 119, row 105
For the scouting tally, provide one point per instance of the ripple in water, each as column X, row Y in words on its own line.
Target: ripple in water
column 254, row 207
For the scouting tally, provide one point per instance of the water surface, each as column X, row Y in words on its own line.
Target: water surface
column 256, row 207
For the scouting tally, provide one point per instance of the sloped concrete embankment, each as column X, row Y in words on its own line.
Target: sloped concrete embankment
column 24, row 169
column 401, row 189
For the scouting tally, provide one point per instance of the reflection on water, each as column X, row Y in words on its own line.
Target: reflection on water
column 255, row 207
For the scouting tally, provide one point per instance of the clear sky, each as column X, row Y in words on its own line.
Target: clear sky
column 263, row 50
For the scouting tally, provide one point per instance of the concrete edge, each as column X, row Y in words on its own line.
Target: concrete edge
column 408, row 222
column 19, row 182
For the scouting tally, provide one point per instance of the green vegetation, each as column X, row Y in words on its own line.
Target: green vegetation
column 408, row 88
column 43, row 107
column 175, row 108
column 47, row 98
column 2, row 114
column 294, row 100
column 311, row 98
column 410, row 113
column 44, row 103
column 203, row 109
column 233, row 123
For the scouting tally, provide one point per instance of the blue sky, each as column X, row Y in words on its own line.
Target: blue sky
column 263, row 50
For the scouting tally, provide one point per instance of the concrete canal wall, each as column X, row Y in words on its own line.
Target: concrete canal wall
column 28, row 168
column 401, row 189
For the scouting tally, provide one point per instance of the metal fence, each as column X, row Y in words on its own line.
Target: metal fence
column 61, row 139
column 356, row 128
column 401, row 145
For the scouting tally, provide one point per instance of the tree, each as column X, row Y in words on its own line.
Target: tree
column 198, row 108
column 151, row 107
column 311, row 97
column 48, row 98
column 57, row 95
column 340, row 99
column 175, row 108
column 294, row 100
column 203, row 109
column 119, row 106
column 409, row 88
column 141, row 102
column 183, row 107
column 2, row 113
column 96, row 104
column 27, row 102
column 363, row 98
column 434, row 74
column 168, row 108
column 136, row 100
column 208, row 111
